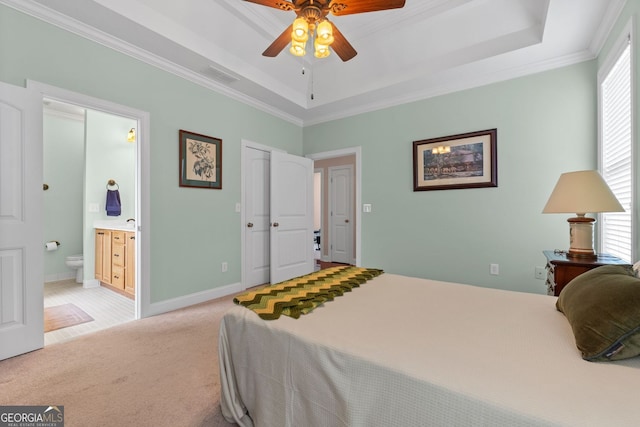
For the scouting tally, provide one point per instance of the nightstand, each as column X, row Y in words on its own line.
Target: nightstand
column 561, row 269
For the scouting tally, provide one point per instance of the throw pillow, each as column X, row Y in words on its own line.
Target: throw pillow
column 603, row 309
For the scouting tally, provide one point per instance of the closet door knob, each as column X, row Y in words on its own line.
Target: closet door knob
column 249, row 225
column 275, row 224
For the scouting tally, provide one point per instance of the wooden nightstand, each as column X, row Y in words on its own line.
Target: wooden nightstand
column 561, row 269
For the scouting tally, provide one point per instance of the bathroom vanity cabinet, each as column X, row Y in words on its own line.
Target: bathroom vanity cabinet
column 130, row 263
column 115, row 259
column 103, row 255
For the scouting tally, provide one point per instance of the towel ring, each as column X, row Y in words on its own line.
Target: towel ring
column 111, row 183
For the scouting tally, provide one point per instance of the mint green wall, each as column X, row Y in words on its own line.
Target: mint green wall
column 63, row 160
column 192, row 230
column 546, row 126
column 630, row 12
column 108, row 156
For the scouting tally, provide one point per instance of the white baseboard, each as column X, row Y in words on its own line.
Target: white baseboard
column 187, row 300
column 56, row 277
column 90, row 283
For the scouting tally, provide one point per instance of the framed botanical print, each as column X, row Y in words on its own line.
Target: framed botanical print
column 200, row 161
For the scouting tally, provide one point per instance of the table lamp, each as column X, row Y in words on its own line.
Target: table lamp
column 582, row 192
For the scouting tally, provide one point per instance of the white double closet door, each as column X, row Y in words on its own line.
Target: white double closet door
column 277, row 216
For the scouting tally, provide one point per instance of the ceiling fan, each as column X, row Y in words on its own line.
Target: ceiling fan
column 312, row 20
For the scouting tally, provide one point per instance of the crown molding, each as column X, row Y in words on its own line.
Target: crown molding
column 61, row 21
column 606, row 26
column 470, row 80
column 467, row 81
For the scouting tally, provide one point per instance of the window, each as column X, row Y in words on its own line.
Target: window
column 615, row 149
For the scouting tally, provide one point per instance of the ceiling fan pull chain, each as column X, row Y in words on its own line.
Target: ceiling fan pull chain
column 313, row 37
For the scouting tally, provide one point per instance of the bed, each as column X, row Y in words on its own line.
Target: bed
column 404, row 351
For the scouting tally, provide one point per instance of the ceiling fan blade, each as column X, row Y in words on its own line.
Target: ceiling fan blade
column 280, row 43
column 341, row 46
column 350, row 7
column 277, row 4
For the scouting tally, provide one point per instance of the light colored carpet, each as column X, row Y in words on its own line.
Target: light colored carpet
column 158, row 371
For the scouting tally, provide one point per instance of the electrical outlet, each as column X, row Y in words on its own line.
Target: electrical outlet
column 494, row 269
column 540, row 273
column 225, row 267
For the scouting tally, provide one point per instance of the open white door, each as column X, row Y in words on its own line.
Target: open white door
column 21, row 245
column 291, row 216
column 256, row 214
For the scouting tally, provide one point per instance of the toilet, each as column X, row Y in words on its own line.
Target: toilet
column 76, row 262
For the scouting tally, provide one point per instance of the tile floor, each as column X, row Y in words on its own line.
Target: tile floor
column 107, row 308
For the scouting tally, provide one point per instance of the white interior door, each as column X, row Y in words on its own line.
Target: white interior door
column 256, row 209
column 21, row 245
column 291, row 216
column 340, row 216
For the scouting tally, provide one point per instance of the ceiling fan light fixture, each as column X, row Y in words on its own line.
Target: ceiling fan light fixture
column 321, row 50
column 297, row 48
column 324, row 32
column 300, row 31
column 311, row 23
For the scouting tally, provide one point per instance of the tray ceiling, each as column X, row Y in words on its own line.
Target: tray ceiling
column 427, row 48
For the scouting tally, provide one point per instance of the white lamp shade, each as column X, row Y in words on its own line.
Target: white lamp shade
column 582, row 192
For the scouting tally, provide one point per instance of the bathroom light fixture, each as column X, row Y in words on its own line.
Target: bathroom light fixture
column 131, row 136
column 580, row 193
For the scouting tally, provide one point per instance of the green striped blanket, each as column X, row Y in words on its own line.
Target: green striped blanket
column 302, row 294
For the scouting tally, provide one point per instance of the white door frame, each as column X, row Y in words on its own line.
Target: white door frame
column 357, row 151
column 321, row 201
column 143, row 180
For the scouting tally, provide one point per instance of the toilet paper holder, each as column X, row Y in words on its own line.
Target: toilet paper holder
column 53, row 241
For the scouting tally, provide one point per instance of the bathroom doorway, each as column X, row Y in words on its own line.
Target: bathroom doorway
column 86, row 154
column 338, row 230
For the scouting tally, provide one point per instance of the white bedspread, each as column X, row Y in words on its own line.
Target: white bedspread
column 401, row 351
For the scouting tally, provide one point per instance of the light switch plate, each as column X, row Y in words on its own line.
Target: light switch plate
column 366, row 207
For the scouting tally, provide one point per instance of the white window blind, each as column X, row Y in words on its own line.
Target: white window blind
column 615, row 229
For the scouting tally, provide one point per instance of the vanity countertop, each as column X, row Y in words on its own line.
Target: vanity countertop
column 115, row 224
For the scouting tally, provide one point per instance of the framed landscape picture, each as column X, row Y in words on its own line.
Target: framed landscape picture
column 467, row 160
column 200, row 161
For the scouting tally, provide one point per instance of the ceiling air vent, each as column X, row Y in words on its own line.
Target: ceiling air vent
column 221, row 75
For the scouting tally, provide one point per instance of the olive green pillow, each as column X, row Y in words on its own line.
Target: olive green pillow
column 603, row 308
